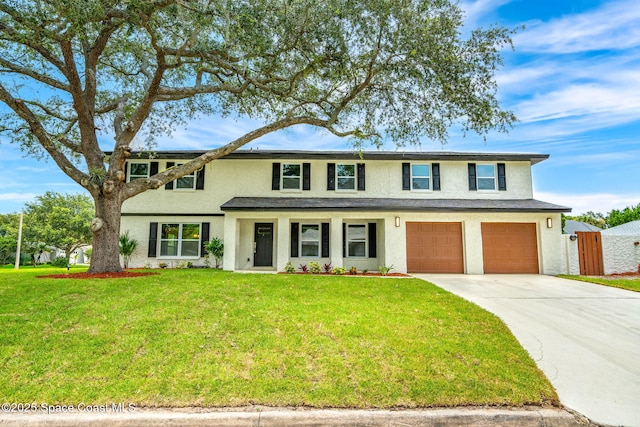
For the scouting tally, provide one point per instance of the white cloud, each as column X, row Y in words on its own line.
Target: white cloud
column 582, row 203
column 475, row 10
column 17, row 197
column 614, row 26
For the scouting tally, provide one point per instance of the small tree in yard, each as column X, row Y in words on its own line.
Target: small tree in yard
column 78, row 72
column 62, row 221
column 127, row 248
column 215, row 248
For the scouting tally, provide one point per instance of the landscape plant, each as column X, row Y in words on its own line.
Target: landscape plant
column 314, row 267
column 79, row 73
column 127, row 248
column 215, row 248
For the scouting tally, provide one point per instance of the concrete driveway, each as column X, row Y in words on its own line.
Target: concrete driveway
column 584, row 337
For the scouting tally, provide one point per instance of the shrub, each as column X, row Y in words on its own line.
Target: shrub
column 339, row 271
column 289, row 268
column 59, row 262
column 304, row 268
column 127, row 248
column 353, row 270
column 314, row 267
column 384, row 270
column 215, row 248
column 327, row 268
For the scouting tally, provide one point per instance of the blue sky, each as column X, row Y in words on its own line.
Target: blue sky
column 573, row 81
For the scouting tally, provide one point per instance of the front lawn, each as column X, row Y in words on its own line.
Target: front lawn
column 211, row 338
column 630, row 284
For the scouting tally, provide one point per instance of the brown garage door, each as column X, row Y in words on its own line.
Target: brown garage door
column 509, row 248
column 434, row 247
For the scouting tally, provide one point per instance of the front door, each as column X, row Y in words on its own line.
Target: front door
column 263, row 244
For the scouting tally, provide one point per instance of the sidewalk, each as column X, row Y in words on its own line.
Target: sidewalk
column 521, row 417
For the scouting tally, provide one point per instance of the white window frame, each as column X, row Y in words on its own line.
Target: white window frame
column 349, row 239
column 192, row 175
column 429, row 177
column 180, row 240
column 283, row 177
column 494, row 177
column 353, row 178
column 308, row 240
column 132, row 177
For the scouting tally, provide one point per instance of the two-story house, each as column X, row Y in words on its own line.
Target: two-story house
column 437, row 212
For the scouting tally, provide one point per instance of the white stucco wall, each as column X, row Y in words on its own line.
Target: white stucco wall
column 570, row 262
column 228, row 178
column 390, row 239
column 620, row 254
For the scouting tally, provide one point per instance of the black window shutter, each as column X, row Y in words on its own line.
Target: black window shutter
column 502, row 177
column 406, row 176
column 153, row 239
column 169, row 185
column 153, row 168
column 275, row 176
column 373, row 244
column 295, row 227
column 200, row 179
column 472, row 177
column 325, row 240
column 361, row 180
column 306, row 176
column 331, row 176
column 435, row 169
column 344, row 240
column 204, row 238
column 126, row 166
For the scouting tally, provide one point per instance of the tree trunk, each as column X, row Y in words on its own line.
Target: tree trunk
column 105, row 257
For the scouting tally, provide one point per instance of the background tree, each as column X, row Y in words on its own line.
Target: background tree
column 61, row 220
column 594, row 218
column 619, row 217
column 76, row 70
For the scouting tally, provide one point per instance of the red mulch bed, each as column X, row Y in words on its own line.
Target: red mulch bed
column 121, row 275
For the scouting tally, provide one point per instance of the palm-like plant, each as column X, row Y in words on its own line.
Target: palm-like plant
column 127, row 247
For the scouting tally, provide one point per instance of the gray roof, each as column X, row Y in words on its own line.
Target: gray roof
column 571, row 226
column 629, row 229
column 371, row 204
column 350, row 155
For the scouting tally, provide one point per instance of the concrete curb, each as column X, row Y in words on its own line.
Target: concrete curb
column 521, row 417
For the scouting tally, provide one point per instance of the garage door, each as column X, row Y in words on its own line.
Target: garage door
column 509, row 248
column 434, row 247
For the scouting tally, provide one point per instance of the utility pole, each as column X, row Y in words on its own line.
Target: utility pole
column 17, row 266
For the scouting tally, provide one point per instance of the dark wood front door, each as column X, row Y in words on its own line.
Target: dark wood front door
column 263, row 244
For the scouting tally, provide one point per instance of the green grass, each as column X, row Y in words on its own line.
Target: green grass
column 628, row 284
column 212, row 338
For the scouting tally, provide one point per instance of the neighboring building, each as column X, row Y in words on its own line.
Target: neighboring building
column 571, row 226
column 621, row 248
column 438, row 212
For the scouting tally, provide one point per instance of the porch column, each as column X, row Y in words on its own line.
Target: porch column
column 230, row 241
column 395, row 252
column 335, row 251
column 282, row 243
column 474, row 261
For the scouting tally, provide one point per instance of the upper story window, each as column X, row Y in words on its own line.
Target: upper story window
column 192, row 181
column 291, row 176
column 345, row 176
column 487, row 177
column 180, row 240
column 138, row 170
column 187, row 182
column 421, row 176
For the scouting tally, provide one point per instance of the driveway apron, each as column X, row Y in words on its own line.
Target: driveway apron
column 584, row 337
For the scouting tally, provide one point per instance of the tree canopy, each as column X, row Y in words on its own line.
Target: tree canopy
column 78, row 72
column 62, row 221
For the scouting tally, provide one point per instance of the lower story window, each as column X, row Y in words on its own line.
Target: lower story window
column 356, row 240
column 180, row 240
column 310, row 240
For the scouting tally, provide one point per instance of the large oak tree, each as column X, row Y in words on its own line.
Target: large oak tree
column 74, row 71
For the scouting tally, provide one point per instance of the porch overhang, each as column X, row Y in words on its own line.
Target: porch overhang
column 385, row 205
